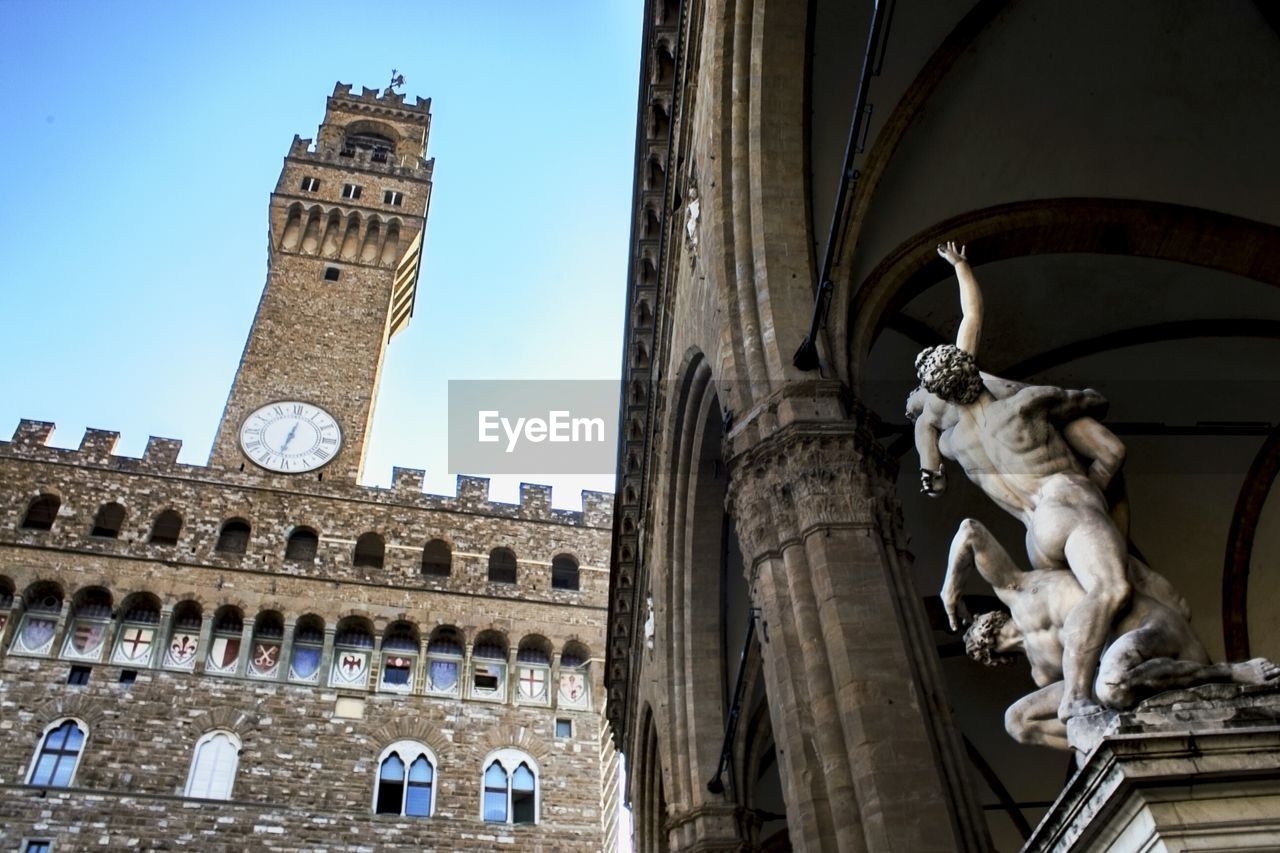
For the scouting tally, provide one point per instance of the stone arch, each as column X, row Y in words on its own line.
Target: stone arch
column 90, row 710
column 648, row 786
column 410, row 727
column 1155, row 230
column 508, row 735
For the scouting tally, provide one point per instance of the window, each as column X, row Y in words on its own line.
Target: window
column 79, row 676
column 41, row 514
column 268, row 637
column 564, row 572
column 59, row 753
column 310, row 184
column 90, row 625
column 213, row 767
column 234, row 537
column 564, row 728
column 574, row 676
column 533, row 669
column 108, row 521
column 136, row 642
column 369, row 553
column 38, row 845
column 352, row 648
column 405, row 793
column 489, row 666
column 437, row 559
column 224, row 646
column 308, row 648
column 332, row 273
column 502, row 565
column 128, row 676
column 393, row 198
column 444, row 660
column 184, row 638
column 351, row 191
column 302, row 545
column 510, row 796
column 399, row 657
column 39, row 621
column 166, row 527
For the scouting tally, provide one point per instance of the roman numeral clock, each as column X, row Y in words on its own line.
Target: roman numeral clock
column 290, row 437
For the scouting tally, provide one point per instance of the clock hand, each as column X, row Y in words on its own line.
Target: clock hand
column 288, row 438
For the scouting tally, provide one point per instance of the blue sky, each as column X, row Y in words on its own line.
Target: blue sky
column 143, row 140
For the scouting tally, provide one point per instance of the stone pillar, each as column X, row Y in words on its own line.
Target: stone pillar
column 852, row 679
column 1187, row 770
column 326, row 655
column 161, row 643
column 246, row 646
column 206, row 637
column 286, row 650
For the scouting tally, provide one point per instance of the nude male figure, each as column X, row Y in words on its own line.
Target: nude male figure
column 1013, row 449
column 1152, row 648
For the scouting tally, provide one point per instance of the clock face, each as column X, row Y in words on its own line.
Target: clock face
column 290, row 437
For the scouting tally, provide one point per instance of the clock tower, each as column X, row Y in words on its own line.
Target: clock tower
column 345, row 243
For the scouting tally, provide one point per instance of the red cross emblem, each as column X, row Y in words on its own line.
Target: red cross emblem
column 533, row 682
column 136, row 641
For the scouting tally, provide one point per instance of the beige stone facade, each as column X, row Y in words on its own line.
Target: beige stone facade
column 323, row 635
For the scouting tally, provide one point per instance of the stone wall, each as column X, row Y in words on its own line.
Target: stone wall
column 310, row 753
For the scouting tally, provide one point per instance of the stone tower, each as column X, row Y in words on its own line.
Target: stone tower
column 346, row 226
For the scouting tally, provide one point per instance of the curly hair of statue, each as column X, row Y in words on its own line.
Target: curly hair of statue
column 981, row 637
column 949, row 372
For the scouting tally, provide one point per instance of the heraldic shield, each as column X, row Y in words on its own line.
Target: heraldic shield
column 306, row 663
column 443, row 675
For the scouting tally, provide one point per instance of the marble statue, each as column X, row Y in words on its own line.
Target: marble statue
column 1008, row 440
column 1151, row 646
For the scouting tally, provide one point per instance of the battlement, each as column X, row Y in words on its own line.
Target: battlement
column 391, row 164
column 386, row 99
column 96, row 450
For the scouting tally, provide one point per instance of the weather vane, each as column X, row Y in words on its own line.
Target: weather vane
column 397, row 79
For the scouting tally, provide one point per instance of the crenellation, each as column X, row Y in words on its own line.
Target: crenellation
column 407, row 479
column 535, row 500
column 31, row 434
column 98, row 445
column 162, row 451
column 473, row 492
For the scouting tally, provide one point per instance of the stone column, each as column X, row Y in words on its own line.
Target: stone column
column 162, row 638
column 850, row 670
column 246, row 646
column 326, row 655
column 286, row 650
column 202, row 650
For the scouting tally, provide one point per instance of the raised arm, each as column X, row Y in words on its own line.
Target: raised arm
column 970, row 299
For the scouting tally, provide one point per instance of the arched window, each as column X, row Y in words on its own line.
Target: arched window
column 444, row 660
column 370, row 552
column 352, row 648
column 399, row 657
column 41, row 513
column 234, row 537
column 40, row 620
column 437, row 559
column 268, row 635
column 224, row 647
column 213, row 766
column 302, row 545
column 136, row 640
column 533, row 669
column 166, row 527
column 502, row 565
column 575, row 676
column 489, row 666
column 108, row 521
column 308, row 648
column 58, row 755
column 564, row 572
column 90, row 625
column 184, row 637
column 406, row 778
column 510, row 788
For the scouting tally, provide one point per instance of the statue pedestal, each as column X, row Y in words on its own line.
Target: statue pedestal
column 1186, row 770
